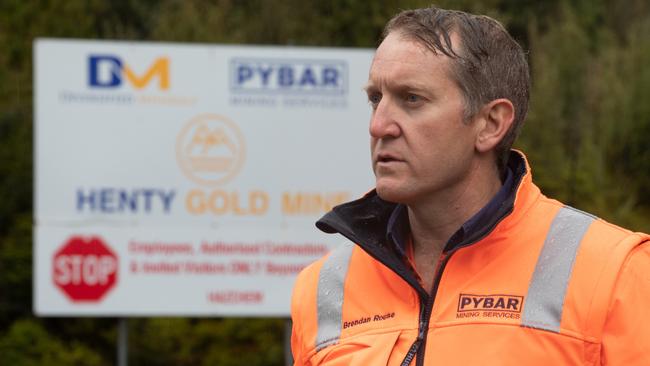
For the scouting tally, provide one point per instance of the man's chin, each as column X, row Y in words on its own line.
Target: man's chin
column 391, row 194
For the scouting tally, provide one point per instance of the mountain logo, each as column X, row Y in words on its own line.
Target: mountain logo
column 210, row 149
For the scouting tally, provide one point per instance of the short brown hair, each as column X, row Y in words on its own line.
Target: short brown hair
column 489, row 64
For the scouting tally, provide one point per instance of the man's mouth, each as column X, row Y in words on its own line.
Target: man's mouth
column 386, row 158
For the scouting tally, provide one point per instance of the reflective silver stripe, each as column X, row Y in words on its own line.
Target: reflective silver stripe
column 545, row 300
column 331, row 282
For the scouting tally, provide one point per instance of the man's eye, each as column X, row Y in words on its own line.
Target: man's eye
column 412, row 98
column 374, row 99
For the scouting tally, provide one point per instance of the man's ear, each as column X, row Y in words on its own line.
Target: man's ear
column 497, row 117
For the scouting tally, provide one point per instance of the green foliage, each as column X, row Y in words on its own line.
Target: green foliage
column 585, row 136
column 239, row 340
column 623, row 118
column 557, row 61
column 16, row 269
column 206, row 342
column 27, row 343
column 587, row 125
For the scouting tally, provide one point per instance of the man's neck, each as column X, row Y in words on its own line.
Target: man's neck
column 436, row 218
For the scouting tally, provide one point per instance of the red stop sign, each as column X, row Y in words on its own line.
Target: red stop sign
column 85, row 268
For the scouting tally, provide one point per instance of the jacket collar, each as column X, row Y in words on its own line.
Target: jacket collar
column 398, row 230
column 365, row 221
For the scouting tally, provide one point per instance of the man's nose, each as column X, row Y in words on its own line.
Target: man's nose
column 383, row 122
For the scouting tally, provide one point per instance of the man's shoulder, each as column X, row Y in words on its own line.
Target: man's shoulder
column 605, row 231
column 596, row 222
column 335, row 260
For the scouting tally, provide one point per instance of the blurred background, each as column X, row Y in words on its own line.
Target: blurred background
column 586, row 137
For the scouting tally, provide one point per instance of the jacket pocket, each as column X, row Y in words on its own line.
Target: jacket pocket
column 363, row 350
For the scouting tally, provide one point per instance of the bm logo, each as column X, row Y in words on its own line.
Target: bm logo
column 109, row 71
column 288, row 76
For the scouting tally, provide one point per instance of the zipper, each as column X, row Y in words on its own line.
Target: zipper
column 423, row 325
column 429, row 307
column 426, row 307
column 420, row 343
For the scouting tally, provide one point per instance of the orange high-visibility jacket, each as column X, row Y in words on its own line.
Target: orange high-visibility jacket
column 543, row 284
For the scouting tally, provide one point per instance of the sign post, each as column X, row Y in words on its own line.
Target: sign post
column 122, row 342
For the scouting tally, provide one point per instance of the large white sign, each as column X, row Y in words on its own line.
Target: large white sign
column 185, row 179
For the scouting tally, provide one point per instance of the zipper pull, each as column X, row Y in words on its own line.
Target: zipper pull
column 412, row 352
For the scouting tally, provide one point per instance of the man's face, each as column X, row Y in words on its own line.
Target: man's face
column 421, row 147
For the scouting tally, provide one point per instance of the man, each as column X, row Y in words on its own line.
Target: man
column 457, row 258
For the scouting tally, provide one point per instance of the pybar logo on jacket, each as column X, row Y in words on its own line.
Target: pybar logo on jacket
column 500, row 306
